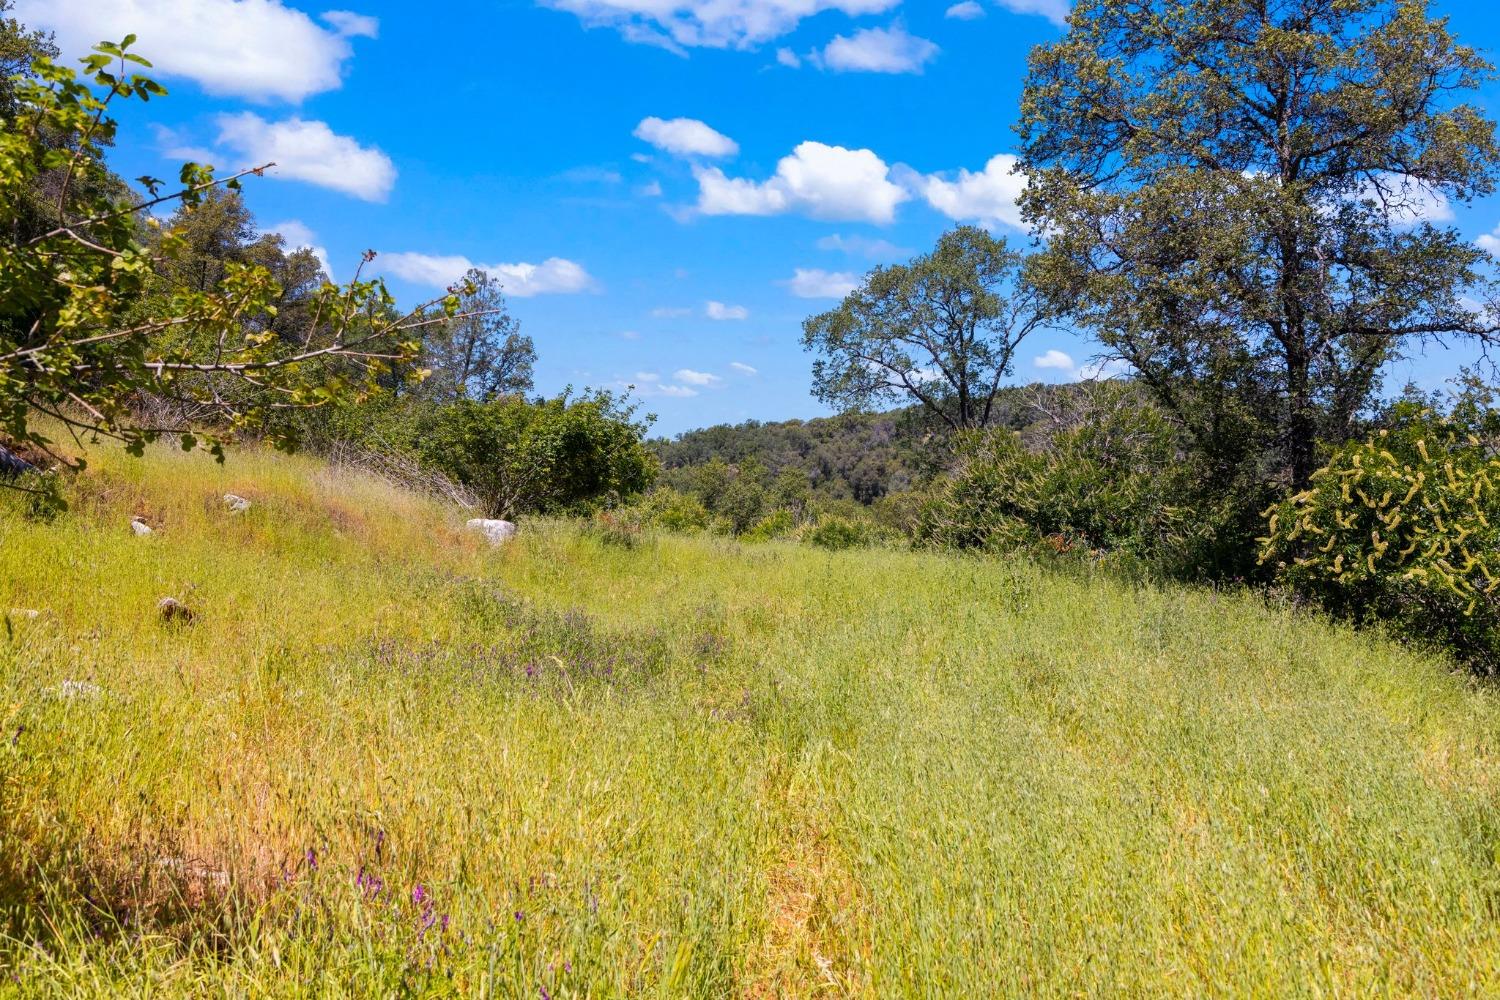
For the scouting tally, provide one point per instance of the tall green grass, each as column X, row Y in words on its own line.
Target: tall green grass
column 385, row 759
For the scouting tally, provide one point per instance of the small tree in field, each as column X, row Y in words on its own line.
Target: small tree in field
column 481, row 354
column 942, row 330
column 555, row 456
column 1239, row 198
column 91, row 322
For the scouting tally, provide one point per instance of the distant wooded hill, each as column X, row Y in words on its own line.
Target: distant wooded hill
column 855, row 456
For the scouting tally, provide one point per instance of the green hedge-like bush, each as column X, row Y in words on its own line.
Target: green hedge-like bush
column 1403, row 527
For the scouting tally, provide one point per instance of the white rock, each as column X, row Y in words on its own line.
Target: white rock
column 236, row 504
column 139, row 526
column 71, row 690
column 498, row 532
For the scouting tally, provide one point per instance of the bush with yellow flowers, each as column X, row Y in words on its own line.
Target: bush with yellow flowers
column 1405, row 527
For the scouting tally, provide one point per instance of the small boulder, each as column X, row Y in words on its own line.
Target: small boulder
column 497, row 531
column 79, row 690
column 174, row 612
column 139, row 526
column 236, row 504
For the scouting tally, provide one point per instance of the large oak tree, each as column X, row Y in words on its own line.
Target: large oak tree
column 1244, row 198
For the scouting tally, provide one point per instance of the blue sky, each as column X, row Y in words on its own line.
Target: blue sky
column 667, row 187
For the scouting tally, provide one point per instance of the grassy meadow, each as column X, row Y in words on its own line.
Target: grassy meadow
column 386, row 760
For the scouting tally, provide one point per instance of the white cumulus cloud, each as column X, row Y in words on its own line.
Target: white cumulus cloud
column 968, row 10
column 720, row 311
column 988, row 197
column 1405, row 201
column 1097, row 370
column 295, row 235
column 309, row 151
column 685, row 137
column 815, row 283
column 352, row 25
column 648, row 384
column 690, row 377
column 1055, row 11
column 1490, row 242
column 744, row 369
column 684, row 24
column 879, row 50
column 257, row 49
column 788, row 58
column 1055, row 359
column 553, row 276
column 826, row 182
column 862, row 246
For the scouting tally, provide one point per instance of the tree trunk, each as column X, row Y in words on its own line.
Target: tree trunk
column 1302, row 425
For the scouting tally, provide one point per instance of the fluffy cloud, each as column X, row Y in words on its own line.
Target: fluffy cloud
column 744, row 369
column 309, row 151
column 815, row 283
column 650, row 384
column 553, row 276
column 1055, row 359
column 1055, row 11
column 1407, row 202
column 352, row 25
column 826, row 182
column 684, row 24
column 862, row 246
column 988, row 197
column 788, row 58
column 879, row 50
column 1093, row 371
column 296, row 235
column 720, row 311
column 968, row 10
column 257, row 49
column 690, row 377
column 1490, row 242
column 685, row 137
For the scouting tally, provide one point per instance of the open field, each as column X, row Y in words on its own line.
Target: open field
column 386, row 760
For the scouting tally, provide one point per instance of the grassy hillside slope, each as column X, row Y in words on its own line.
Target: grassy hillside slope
column 386, row 760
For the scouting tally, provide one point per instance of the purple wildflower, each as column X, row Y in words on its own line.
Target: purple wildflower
column 369, row 883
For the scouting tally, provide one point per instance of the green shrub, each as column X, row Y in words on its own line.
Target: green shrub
column 777, row 524
column 837, row 533
column 1109, row 480
column 555, row 456
column 1403, row 527
column 671, row 510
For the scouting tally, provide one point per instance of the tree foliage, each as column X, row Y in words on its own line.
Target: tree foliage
column 95, row 315
column 481, row 354
column 941, row 330
column 1233, row 196
column 550, row 456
